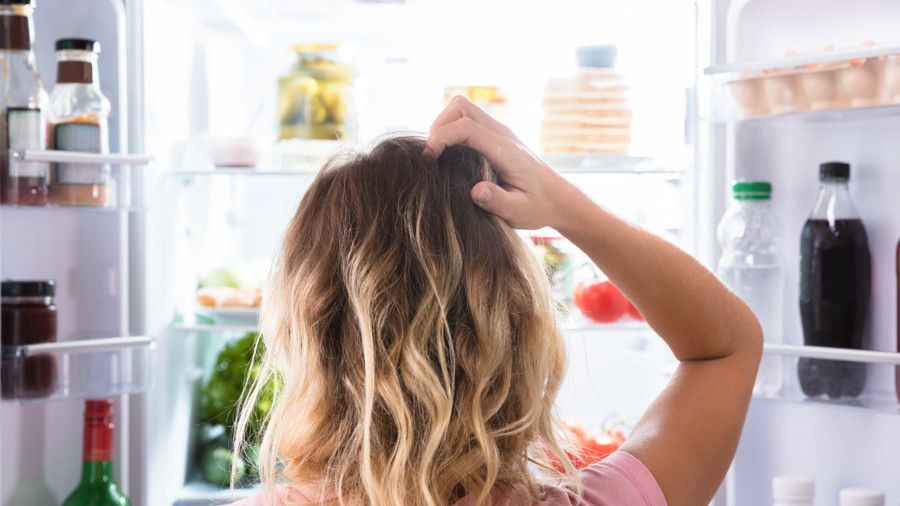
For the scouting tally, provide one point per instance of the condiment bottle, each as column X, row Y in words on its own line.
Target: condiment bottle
column 97, row 485
column 78, row 122
column 861, row 497
column 23, row 123
column 793, row 491
column 835, row 286
column 28, row 317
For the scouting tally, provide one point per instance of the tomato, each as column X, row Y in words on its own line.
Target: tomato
column 633, row 312
column 600, row 301
column 587, row 449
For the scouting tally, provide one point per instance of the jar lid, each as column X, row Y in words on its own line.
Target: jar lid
column 859, row 496
column 78, row 45
column 752, row 190
column 793, row 487
column 28, row 288
column 834, row 170
column 602, row 57
column 314, row 48
column 16, row 2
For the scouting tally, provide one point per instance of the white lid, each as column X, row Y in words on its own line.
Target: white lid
column 861, row 497
column 793, row 487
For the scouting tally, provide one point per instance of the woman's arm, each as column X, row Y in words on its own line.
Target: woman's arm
column 688, row 436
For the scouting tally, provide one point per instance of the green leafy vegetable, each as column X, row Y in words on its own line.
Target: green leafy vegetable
column 218, row 400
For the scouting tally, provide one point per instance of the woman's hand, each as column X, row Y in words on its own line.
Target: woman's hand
column 531, row 192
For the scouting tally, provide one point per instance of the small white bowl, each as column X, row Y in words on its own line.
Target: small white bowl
column 233, row 152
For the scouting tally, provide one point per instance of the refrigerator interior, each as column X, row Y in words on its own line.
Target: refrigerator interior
column 86, row 251
column 212, row 69
column 838, row 443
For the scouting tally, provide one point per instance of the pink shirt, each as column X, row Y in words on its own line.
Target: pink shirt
column 618, row 480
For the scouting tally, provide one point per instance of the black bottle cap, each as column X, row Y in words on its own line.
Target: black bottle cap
column 16, row 2
column 834, row 170
column 78, row 44
column 28, row 288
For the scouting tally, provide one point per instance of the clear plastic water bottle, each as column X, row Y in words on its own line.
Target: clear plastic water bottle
column 749, row 234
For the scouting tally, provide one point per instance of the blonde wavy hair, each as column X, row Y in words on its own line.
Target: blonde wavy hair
column 413, row 337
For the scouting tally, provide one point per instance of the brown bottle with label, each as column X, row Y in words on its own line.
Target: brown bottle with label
column 78, row 122
column 23, row 123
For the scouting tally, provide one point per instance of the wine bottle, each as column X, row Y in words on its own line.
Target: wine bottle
column 97, row 487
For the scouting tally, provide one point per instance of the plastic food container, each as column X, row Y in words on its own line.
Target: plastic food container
column 863, row 76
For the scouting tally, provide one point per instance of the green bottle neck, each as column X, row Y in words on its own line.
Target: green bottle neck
column 96, row 472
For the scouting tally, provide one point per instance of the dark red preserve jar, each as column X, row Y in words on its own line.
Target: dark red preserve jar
column 28, row 317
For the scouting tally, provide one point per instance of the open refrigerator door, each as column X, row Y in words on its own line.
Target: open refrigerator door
column 83, row 342
column 788, row 86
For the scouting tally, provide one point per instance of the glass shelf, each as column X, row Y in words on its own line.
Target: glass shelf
column 870, row 373
column 81, row 369
column 214, row 327
column 594, row 163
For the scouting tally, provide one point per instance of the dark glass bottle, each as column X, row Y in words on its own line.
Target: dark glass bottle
column 835, row 286
column 97, row 487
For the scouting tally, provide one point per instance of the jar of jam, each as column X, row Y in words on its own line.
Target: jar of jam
column 28, row 317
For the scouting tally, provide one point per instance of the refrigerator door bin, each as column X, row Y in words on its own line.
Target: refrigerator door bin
column 111, row 173
column 82, row 369
column 855, row 78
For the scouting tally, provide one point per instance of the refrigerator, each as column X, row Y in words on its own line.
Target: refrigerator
column 196, row 82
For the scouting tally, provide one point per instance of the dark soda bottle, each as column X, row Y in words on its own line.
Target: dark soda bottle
column 835, row 285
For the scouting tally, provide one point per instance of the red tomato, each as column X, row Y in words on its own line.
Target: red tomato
column 600, row 301
column 633, row 312
column 588, row 450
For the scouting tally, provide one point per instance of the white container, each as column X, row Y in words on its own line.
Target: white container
column 793, row 491
column 861, row 497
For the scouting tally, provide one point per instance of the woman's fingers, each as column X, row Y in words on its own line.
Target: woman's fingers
column 461, row 107
column 467, row 132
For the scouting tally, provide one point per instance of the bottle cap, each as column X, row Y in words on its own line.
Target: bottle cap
column 602, row 57
column 78, row 45
column 98, row 408
column 752, row 190
column 15, row 2
column 861, row 497
column 834, row 170
column 28, row 288
column 793, row 487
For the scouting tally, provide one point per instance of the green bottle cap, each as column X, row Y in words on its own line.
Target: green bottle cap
column 752, row 190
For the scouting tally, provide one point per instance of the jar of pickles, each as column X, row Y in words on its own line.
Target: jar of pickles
column 316, row 95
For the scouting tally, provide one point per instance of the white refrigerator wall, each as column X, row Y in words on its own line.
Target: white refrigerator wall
column 837, row 447
column 86, row 253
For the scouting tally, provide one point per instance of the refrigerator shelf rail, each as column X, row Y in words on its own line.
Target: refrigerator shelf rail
column 79, row 369
column 846, row 355
column 869, row 375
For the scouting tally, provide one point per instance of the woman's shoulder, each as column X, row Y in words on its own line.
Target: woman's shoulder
column 618, row 479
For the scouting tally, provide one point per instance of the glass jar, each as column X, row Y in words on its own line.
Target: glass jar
column 316, row 95
column 23, row 120
column 28, row 317
column 78, row 122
